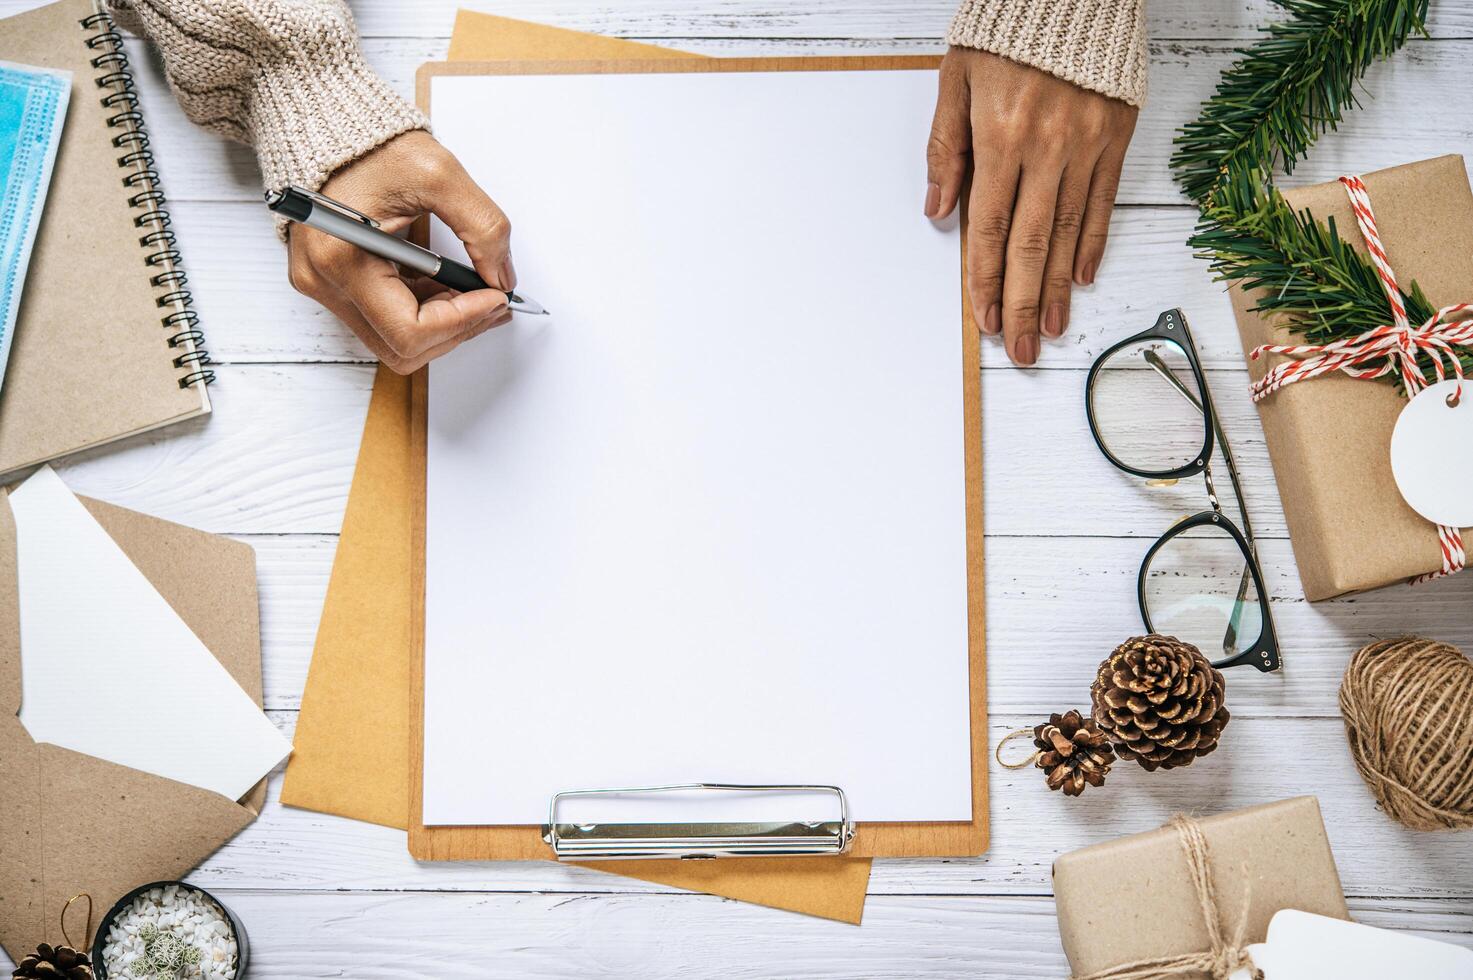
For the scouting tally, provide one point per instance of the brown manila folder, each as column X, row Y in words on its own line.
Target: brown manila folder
column 351, row 751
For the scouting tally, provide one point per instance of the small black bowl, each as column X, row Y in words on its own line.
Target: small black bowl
column 105, row 926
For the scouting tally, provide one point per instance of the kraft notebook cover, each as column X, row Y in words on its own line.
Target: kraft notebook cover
column 355, row 710
column 105, row 345
column 73, row 823
column 947, row 837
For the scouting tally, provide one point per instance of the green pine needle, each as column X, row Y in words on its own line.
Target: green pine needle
column 1269, row 108
column 1308, row 272
column 1289, row 87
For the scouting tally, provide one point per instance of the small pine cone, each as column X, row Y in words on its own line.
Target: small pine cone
column 53, row 963
column 1073, row 752
column 1160, row 701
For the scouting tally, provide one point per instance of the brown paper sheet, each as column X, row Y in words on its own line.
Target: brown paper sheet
column 1329, row 438
column 486, row 37
column 351, row 752
column 1133, row 899
column 72, row 823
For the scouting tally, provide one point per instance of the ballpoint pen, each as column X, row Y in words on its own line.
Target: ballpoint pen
column 356, row 228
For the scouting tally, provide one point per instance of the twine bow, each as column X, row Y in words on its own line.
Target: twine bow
column 1222, row 957
column 1377, row 353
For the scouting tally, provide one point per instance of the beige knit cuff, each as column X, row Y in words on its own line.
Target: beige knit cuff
column 308, row 118
column 1096, row 44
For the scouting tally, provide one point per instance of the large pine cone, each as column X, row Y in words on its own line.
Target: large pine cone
column 53, row 963
column 1073, row 752
column 1160, row 701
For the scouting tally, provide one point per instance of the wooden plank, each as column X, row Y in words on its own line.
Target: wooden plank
column 250, row 313
column 297, row 935
column 291, row 572
column 1260, row 759
column 667, row 20
column 1048, row 598
column 200, row 166
column 663, row 19
column 276, row 457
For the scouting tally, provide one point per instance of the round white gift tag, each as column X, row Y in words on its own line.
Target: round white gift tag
column 1430, row 455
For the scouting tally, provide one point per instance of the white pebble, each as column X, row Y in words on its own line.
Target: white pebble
column 184, row 912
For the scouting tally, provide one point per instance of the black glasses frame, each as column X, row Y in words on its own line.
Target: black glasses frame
column 1171, row 326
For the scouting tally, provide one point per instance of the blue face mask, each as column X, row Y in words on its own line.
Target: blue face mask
column 32, row 109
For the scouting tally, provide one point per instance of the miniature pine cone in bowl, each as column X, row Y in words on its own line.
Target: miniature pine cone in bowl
column 53, row 963
column 1160, row 701
column 1073, row 752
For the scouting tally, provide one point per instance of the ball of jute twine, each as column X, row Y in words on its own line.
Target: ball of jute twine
column 1408, row 707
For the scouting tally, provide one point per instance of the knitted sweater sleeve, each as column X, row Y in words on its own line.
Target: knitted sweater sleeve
column 285, row 76
column 1096, row 44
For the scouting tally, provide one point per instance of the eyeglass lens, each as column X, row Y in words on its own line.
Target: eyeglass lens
column 1199, row 588
column 1147, row 407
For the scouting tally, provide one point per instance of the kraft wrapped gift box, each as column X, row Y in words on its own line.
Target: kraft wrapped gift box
column 1330, row 437
column 1133, row 899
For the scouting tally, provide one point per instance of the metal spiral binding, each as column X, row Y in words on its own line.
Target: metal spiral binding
column 142, row 180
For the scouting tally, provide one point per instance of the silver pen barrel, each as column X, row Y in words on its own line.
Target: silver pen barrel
column 373, row 241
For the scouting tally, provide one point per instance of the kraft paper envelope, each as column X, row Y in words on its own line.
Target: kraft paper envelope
column 72, row 823
column 351, row 750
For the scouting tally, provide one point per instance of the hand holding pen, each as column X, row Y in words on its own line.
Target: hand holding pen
column 405, row 313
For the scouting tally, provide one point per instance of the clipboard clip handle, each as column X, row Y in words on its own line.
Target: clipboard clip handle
column 627, row 841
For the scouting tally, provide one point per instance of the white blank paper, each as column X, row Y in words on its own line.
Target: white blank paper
column 706, row 522
column 110, row 670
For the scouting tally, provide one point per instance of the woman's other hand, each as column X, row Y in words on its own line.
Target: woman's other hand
column 406, row 322
column 1046, row 157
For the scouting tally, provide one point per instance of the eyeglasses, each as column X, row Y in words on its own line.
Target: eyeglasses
column 1151, row 414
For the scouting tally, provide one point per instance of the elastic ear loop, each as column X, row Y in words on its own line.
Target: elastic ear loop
column 1016, row 733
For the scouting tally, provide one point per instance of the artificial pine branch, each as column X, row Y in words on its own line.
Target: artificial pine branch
column 1307, row 271
column 1269, row 108
column 1289, row 87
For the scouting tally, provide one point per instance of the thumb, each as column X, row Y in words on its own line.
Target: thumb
column 950, row 145
column 477, row 221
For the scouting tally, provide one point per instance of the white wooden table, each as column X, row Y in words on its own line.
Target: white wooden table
column 324, row 897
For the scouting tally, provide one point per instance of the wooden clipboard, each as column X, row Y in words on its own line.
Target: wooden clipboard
column 521, row 843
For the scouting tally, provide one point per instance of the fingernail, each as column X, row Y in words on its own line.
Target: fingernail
column 508, row 274
column 992, row 322
column 1053, row 321
column 933, row 199
column 1027, row 349
column 1087, row 275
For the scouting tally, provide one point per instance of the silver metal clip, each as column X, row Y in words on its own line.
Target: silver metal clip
column 321, row 201
column 614, row 841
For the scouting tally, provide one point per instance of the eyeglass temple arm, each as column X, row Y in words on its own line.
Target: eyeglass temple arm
column 1230, row 637
column 1163, row 369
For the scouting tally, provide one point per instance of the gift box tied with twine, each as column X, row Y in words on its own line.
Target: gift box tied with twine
column 1182, row 900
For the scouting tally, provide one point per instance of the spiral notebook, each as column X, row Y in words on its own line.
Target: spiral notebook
column 106, row 345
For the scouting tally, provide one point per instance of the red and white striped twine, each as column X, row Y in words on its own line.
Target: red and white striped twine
column 1376, row 353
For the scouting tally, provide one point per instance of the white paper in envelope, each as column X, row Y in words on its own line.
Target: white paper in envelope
column 110, row 670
